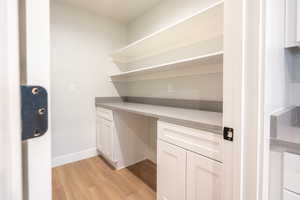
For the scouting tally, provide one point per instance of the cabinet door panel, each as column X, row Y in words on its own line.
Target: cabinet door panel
column 204, row 178
column 98, row 134
column 171, row 172
column 107, row 132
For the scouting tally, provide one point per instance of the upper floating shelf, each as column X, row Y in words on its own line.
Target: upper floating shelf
column 212, row 60
column 205, row 25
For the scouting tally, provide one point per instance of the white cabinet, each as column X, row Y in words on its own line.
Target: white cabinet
column 204, row 178
column 98, row 133
column 122, row 138
column 292, row 23
column 106, row 137
column 287, row 195
column 291, row 172
column 171, row 172
column 186, row 164
column 199, row 141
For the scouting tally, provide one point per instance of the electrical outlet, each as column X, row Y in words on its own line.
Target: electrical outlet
column 170, row 88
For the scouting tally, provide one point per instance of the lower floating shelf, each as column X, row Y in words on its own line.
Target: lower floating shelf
column 215, row 59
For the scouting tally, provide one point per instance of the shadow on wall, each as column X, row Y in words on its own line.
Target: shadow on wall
column 197, row 87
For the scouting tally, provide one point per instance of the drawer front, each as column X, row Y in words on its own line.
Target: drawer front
column 202, row 142
column 104, row 113
column 287, row 195
column 291, row 172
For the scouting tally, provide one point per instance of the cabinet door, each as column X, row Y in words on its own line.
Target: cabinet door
column 107, row 139
column 204, row 178
column 291, row 172
column 98, row 134
column 171, row 172
column 287, row 195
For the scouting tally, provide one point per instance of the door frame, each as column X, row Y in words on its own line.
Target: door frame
column 243, row 91
column 10, row 113
column 246, row 52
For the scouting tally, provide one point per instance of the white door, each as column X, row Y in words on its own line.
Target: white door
column 35, row 62
column 204, row 178
column 10, row 122
column 171, row 172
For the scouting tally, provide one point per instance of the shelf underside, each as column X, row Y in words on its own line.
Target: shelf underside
column 204, row 64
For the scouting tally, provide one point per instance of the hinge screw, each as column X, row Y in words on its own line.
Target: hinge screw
column 35, row 91
column 42, row 111
column 36, row 133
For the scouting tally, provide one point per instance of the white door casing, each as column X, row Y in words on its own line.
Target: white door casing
column 242, row 97
column 10, row 114
column 232, row 96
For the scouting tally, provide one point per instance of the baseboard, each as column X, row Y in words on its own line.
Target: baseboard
column 73, row 157
column 119, row 167
column 151, row 155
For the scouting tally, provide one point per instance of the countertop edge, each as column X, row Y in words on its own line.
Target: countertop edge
column 284, row 146
column 191, row 124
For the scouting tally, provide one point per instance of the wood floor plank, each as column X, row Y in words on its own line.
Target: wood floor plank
column 94, row 179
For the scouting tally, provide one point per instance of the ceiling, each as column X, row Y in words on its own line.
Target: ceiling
column 121, row 10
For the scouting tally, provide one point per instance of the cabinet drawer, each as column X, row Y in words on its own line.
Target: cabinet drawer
column 291, row 172
column 202, row 142
column 287, row 195
column 104, row 113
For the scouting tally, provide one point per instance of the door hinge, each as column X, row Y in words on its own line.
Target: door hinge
column 34, row 105
column 228, row 133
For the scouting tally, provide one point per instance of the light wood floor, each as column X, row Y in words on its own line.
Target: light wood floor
column 94, row 179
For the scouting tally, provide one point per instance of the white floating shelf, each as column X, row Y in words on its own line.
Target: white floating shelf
column 215, row 59
column 205, row 25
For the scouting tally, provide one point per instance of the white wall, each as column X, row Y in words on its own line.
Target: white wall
column 294, row 76
column 80, row 69
column 165, row 13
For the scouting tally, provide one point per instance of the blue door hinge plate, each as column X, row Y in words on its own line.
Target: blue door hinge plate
column 34, row 106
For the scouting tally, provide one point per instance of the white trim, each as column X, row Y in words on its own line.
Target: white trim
column 73, row 157
column 252, row 99
column 233, row 107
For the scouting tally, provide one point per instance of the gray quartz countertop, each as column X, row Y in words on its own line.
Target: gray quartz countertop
column 285, row 129
column 284, row 146
column 204, row 120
